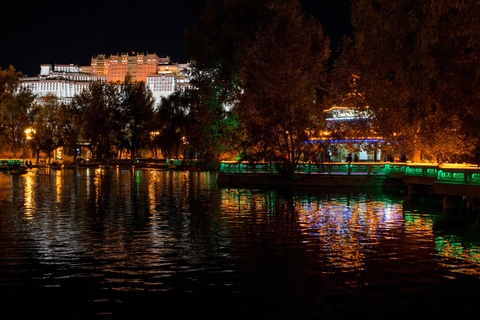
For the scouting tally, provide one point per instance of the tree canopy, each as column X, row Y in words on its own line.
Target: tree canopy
column 282, row 77
column 258, row 68
column 137, row 112
column 99, row 110
column 416, row 64
column 15, row 103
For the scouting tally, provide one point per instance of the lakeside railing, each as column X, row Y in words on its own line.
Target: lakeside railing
column 436, row 173
column 462, row 174
column 441, row 173
column 368, row 168
column 446, row 173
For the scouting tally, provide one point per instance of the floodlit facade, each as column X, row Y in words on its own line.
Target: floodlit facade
column 161, row 76
column 64, row 81
column 367, row 148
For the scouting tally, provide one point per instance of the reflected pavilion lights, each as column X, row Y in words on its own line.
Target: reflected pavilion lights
column 368, row 140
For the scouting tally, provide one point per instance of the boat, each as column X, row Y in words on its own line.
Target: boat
column 13, row 166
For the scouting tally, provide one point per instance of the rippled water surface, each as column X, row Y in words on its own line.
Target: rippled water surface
column 141, row 244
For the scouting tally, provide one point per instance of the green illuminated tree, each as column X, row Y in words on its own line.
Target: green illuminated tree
column 233, row 35
column 217, row 49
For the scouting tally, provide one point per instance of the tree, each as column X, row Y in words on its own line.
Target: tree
column 137, row 111
column 48, row 134
column 228, row 29
column 217, row 49
column 68, row 122
column 15, row 104
column 281, row 80
column 172, row 123
column 417, row 68
column 99, row 112
column 408, row 30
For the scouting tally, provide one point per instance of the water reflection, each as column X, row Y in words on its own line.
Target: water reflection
column 118, row 230
column 351, row 226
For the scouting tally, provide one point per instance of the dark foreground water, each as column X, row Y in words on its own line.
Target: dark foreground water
column 91, row 244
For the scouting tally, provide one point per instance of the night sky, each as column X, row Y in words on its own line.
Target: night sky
column 63, row 32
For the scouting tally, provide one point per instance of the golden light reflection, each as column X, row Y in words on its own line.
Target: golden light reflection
column 59, row 185
column 152, row 190
column 98, row 181
column 343, row 228
column 29, row 195
column 417, row 224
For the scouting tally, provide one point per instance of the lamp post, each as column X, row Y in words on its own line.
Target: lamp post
column 29, row 134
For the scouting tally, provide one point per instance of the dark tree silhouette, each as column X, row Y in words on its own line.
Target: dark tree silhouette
column 282, row 75
column 15, row 107
column 416, row 64
column 99, row 109
column 137, row 112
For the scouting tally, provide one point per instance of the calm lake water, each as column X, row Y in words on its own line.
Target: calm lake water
column 146, row 244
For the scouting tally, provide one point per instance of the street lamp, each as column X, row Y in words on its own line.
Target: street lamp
column 29, row 133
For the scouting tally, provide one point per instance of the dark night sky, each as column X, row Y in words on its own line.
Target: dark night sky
column 62, row 32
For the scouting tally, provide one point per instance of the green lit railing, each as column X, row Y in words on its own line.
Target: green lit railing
column 446, row 173
column 7, row 163
column 464, row 175
column 425, row 170
column 374, row 168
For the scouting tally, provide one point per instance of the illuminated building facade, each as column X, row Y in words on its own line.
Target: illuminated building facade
column 116, row 67
column 366, row 148
column 161, row 76
column 65, row 81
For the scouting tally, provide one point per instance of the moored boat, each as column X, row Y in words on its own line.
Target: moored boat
column 13, row 166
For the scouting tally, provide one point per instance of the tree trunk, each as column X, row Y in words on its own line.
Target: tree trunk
column 417, row 155
column 74, row 152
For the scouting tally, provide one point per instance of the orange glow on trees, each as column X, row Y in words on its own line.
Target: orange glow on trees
column 416, row 63
column 281, row 78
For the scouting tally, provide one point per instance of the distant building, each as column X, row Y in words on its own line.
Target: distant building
column 367, row 148
column 116, row 67
column 64, row 81
column 338, row 113
column 161, row 76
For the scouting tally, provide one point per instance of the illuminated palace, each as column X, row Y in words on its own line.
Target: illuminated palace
column 67, row 80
